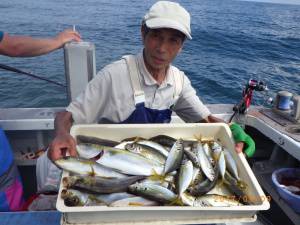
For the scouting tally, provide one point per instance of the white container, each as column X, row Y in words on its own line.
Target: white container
column 168, row 214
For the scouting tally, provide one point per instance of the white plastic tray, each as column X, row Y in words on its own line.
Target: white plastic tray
column 167, row 214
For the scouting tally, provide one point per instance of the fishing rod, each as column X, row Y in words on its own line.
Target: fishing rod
column 12, row 69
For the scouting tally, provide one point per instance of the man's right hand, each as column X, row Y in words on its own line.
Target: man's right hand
column 61, row 145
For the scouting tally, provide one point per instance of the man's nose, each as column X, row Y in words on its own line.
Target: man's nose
column 162, row 45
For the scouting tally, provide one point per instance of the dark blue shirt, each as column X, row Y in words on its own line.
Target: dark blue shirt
column 1, row 35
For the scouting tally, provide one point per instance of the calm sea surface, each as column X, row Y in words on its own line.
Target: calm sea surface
column 233, row 41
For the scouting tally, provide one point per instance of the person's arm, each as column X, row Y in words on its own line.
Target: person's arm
column 24, row 46
column 63, row 141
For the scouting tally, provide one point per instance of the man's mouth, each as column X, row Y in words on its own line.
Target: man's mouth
column 158, row 60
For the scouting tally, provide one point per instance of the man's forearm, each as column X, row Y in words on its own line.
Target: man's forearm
column 212, row 119
column 27, row 46
column 63, row 122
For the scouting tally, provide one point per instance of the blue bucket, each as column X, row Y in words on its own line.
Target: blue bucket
column 292, row 199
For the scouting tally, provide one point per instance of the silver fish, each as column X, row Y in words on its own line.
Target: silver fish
column 192, row 156
column 134, row 201
column 88, row 150
column 208, row 152
column 129, row 163
column 145, row 151
column 222, row 164
column 153, row 192
column 157, row 147
column 238, row 187
column 205, row 186
column 174, row 158
column 231, row 164
column 206, row 165
column 100, row 185
column 73, row 197
column 216, row 150
column 215, row 201
column 86, row 167
column 185, row 176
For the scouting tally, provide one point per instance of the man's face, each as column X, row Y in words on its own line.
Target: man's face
column 161, row 47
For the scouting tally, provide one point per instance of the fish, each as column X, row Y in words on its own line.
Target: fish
column 206, row 165
column 154, row 146
column 129, row 163
column 88, row 150
column 87, row 167
column 153, row 192
column 134, row 201
column 198, row 176
column 174, row 158
column 187, row 199
column 95, row 140
column 220, row 189
column 100, row 185
column 73, row 197
column 185, row 176
column 237, row 187
column 192, row 156
column 215, row 201
column 163, row 140
column 145, row 151
column 231, row 164
column 222, row 164
column 205, row 186
column 208, row 152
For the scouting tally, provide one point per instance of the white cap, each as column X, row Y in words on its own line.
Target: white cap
column 165, row 14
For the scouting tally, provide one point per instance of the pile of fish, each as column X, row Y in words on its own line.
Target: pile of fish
column 151, row 172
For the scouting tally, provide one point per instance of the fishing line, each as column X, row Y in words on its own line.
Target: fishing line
column 12, row 69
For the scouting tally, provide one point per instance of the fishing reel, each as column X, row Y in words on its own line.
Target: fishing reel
column 244, row 104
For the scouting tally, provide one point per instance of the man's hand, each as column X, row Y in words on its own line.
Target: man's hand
column 61, row 145
column 242, row 139
column 67, row 36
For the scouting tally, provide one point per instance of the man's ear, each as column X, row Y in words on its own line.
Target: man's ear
column 180, row 49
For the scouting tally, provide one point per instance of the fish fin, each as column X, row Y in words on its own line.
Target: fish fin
column 242, row 185
column 92, row 173
column 176, row 201
column 198, row 138
column 156, row 176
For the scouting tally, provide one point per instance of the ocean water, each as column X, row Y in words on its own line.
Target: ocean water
column 233, row 41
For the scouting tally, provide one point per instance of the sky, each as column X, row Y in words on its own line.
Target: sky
column 278, row 1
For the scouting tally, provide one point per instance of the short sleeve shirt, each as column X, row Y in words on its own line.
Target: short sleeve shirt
column 109, row 97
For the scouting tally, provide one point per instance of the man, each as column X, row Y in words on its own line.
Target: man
column 11, row 190
column 144, row 88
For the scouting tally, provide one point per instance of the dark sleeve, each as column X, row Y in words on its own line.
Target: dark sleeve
column 1, row 35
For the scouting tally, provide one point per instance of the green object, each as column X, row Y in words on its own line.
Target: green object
column 239, row 135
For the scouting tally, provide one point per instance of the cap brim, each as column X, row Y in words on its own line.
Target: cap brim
column 165, row 23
